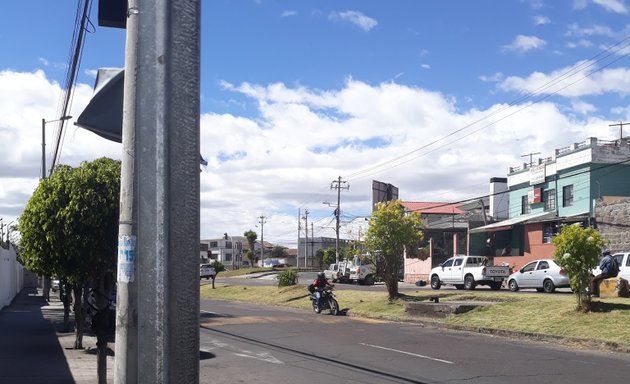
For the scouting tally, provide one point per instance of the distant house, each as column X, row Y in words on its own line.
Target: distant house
column 446, row 229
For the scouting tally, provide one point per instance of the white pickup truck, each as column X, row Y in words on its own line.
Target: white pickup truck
column 466, row 272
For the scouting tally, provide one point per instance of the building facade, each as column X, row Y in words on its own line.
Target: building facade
column 558, row 190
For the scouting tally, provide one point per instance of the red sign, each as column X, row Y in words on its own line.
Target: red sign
column 537, row 195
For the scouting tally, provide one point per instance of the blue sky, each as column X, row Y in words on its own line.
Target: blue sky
column 297, row 93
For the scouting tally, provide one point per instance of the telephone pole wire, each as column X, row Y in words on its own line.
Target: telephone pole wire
column 338, row 185
column 620, row 125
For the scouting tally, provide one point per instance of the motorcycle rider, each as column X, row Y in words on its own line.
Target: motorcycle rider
column 319, row 285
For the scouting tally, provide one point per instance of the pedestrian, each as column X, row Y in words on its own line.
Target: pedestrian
column 507, row 251
column 608, row 267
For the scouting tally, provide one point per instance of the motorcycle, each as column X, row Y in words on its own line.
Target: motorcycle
column 328, row 302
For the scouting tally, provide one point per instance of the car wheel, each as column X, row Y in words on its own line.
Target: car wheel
column 540, row 290
column 495, row 286
column 459, row 287
column 369, row 280
column 513, row 285
column 469, row 282
column 549, row 286
column 435, row 282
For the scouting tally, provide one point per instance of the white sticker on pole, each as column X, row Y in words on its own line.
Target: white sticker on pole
column 126, row 258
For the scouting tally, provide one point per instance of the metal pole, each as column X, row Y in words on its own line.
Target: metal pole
column 43, row 149
column 126, row 346
column 306, row 212
column 167, row 160
column 338, row 212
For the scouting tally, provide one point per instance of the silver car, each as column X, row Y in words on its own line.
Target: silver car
column 543, row 275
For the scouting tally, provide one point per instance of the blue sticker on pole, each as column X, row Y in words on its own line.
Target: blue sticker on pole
column 126, row 258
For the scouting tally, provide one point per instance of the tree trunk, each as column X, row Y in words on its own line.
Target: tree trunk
column 391, row 282
column 79, row 315
column 101, row 322
column 46, row 288
column 213, row 277
column 65, row 295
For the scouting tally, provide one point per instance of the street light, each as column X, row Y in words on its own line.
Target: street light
column 44, row 121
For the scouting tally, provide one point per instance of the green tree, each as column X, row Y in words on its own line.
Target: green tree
column 251, row 237
column 69, row 229
column 250, row 256
column 319, row 258
column 577, row 252
column 391, row 231
column 279, row 252
column 218, row 267
column 330, row 256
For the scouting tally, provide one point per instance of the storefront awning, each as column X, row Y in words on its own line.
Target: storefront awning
column 509, row 223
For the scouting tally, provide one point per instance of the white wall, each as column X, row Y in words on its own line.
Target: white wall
column 11, row 276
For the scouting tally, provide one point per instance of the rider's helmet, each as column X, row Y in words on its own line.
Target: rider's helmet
column 320, row 275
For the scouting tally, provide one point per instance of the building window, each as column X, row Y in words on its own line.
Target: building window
column 228, row 244
column 525, row 208
column 567, row 196
column 213, row 244
column 228, row 257
column 549, row 231
column 549, row 198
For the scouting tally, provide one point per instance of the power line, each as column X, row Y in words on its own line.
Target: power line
column 76, row 48
column 615, row 48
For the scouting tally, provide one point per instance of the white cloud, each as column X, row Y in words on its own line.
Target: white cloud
column 616, row 6
column 425, row 66
column 582, row 79
column 288, row 13
column 43, row 61
column 355, row 17
column 580, row 4
column 541, row 20
column 584, row 43
column 523, row 44
column 492, row 78
column 285, row 156
column 583, row 107
column 575, row 30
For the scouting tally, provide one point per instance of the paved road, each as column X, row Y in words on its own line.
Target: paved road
column 269, row 344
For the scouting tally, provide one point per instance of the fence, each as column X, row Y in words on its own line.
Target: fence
column 11, row 275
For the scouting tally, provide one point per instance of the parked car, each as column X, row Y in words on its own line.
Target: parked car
column 54, row 285
column 206, row 271
column 543, row 275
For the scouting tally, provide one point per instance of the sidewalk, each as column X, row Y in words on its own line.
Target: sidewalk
column 34, row 351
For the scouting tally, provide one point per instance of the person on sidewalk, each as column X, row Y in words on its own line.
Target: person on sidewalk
column 608, row 267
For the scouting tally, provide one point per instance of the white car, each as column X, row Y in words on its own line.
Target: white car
column 206, row 271
column 543, row 275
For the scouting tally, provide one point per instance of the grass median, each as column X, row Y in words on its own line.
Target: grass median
column 547, row 314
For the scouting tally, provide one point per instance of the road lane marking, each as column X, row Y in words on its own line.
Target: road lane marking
column 262, row 356
column 408, row 353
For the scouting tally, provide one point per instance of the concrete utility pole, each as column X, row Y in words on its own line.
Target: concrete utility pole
column 531, row 157
column 126, row 346
column 620, row 125
column 262, row 240
column 306, row 212
column 297, row 257
column 167, row 164
column 338, row 185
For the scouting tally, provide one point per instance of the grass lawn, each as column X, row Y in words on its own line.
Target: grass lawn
column 551, row 314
